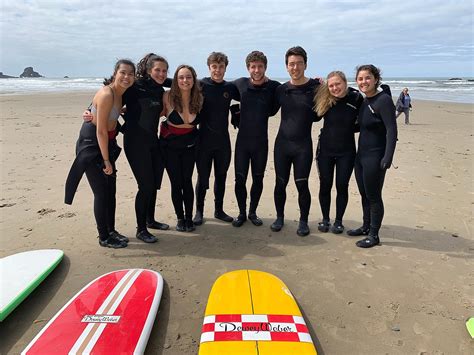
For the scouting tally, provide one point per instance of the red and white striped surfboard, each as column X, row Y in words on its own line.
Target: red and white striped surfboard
column 114, row 314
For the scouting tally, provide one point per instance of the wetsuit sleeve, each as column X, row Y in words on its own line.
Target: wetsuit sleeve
column 235, row 95
column 275, row 101
column 387, row 113
column 316, row 118
column 167, row 83
column 358, row 103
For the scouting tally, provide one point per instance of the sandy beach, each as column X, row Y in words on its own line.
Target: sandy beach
column 410, row 295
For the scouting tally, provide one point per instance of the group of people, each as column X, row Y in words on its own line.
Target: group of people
column 195, row 132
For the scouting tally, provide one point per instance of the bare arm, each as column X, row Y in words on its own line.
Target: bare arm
column 104, row 102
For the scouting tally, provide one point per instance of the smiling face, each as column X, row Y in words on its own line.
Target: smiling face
column 159, row 72
column 124, row 76
column 367, row 83
column 185, row 79
column 337, row 86
column 296, row 67
column 217, row 71
column 257, row 72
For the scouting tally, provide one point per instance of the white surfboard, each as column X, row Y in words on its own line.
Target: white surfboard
column 21, row 273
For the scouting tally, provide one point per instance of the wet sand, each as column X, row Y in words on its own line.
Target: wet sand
column 411, row 295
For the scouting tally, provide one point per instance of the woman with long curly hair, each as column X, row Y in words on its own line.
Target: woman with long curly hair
column 178, row 136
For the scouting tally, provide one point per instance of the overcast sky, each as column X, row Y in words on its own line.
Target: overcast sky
column 417, row 38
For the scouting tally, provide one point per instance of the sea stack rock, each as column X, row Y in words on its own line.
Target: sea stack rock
column 3, row 76
column 30, row 73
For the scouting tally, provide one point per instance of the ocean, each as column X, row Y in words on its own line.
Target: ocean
column 434, row 89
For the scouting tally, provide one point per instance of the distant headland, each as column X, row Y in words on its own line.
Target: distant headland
column 28, row 72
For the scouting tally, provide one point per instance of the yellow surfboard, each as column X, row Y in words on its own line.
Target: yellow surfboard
column 253, row 312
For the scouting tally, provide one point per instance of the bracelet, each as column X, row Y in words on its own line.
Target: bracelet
column 106, row 160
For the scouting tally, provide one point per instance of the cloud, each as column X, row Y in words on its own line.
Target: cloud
column 84, row 38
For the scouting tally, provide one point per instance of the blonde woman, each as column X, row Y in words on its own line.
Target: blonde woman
column 339, row 107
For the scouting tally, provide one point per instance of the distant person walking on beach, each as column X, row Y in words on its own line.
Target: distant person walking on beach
column 377, row 141
column 178, row 138
column 339, row 106
column 403, row 105
column 97, row 151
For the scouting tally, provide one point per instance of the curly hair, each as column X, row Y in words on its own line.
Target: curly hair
column 376, row 72
column 256, row 56
column 175, row 98
column 146, row 63
column 324, row 100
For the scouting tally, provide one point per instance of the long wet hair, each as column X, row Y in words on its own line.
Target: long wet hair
column 147, row 63
column 176, row 100
column 324, row 100
column 376, row 72
column 108, row 81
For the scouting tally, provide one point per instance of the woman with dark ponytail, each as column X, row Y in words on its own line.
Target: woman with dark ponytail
column 97, row 151
column 144, row 104
column 377, row 141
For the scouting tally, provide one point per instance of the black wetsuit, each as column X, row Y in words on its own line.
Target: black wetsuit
column 179, row 150
column 336, row 151
column 377, row 141
column 214, row 141
column 293, row 144
column 89, row 161
column 144, row 102
column 257, row 104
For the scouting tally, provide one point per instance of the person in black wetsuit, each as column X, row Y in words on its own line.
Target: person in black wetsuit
column 214, row 141
column 178, row 139
column 339, row 106
column 97, row 151
column 257, row 104
column 144, row 102
column 377, row 141
column 293, row 144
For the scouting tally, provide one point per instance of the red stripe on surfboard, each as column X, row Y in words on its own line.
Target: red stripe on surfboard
column 134, row 311
column 208, row 327
column 302, row 328
column 67, row 327
column 228, row 318
column 272, row 318
column 228, row 336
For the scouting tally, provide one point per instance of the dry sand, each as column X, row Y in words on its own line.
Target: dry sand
column 411, row 295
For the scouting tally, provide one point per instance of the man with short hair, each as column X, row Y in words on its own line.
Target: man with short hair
column 257, row 104
column 293, row 144
column 214, row 141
